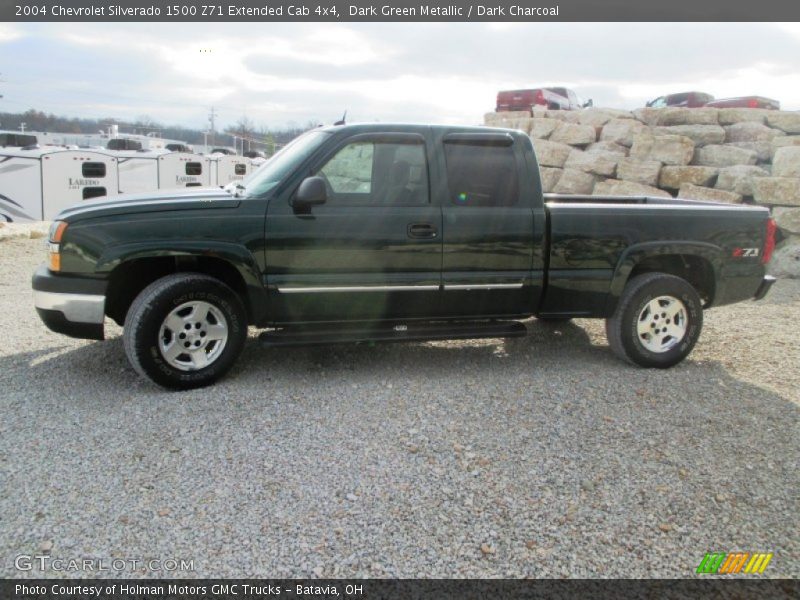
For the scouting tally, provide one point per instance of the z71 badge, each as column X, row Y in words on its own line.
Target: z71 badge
column 745, row 252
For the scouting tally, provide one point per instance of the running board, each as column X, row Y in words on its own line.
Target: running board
column 327, row 334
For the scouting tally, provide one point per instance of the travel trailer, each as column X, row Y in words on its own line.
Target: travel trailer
column 137, row 171
column 37, row 184
column 113, row 139
column 226, row 169
column 17, row 139
column 179, row 170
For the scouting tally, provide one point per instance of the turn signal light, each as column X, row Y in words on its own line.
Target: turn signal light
column 55, row 260
column 57, row 231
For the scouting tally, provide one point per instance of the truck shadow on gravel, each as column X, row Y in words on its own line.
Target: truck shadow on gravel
column 578, row 463
column 550, row 350
column 104, row 367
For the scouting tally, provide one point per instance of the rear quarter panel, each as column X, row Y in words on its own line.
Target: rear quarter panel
column 595, row 247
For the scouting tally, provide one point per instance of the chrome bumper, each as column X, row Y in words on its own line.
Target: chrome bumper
column 76, row 308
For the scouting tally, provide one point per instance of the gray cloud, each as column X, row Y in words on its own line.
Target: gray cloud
column 52, row 72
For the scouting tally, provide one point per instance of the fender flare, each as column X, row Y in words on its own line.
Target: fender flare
column 635, row 254
column 236, row 255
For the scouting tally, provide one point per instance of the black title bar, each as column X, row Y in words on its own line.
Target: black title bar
column 399, row 10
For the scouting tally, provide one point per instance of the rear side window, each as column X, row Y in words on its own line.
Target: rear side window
column 481, row 174
column 678, row 98
column 194, row 168
column 93, row 169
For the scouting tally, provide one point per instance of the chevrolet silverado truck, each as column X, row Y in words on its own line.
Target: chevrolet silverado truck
column 392, row 232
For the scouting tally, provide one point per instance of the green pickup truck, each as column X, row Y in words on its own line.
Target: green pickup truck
column 392, row 232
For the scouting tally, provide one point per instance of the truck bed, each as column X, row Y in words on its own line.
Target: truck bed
column 592, row 237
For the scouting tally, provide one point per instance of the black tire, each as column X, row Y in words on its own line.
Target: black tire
column 622, row 327
column 152, row 306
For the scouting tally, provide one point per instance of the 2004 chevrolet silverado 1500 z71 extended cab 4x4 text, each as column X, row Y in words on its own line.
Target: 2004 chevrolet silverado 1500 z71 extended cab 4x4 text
column 386, row 232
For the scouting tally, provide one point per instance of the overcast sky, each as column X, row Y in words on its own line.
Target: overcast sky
column 280, row 73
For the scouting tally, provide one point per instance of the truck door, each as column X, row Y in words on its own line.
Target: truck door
column 488, row 238
column 373, row 250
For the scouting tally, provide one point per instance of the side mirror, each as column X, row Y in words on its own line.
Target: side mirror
column 588, row 103
column 310, row 193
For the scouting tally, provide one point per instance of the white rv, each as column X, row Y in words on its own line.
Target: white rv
column 137, row 171
column 111, row 140
column 180, row 170
column 226, row 169
column 17, row 139
column 37, row 184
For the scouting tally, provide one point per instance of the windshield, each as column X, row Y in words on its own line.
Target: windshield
column 276, row 168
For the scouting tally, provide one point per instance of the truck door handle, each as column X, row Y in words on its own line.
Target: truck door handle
column 422, row 230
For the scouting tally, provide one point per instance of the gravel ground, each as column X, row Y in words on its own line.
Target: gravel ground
column 542, row 456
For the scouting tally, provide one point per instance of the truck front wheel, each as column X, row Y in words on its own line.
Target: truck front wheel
column 657, row 321
column 185, row 330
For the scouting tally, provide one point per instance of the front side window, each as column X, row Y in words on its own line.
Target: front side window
column 377, row 173
column 481, row 174
column 350, row 170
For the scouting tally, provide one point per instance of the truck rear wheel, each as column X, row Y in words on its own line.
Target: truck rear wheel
column 185, row 330
column 657, row 321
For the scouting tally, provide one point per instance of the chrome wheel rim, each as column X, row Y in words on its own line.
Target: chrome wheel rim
column 193, row 336
column 662, row 324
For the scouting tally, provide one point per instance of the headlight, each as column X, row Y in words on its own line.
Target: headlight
column 57, row 230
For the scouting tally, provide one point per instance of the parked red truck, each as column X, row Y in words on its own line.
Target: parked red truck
column 746, row 102
column 554, row 98
column 701, row 99
column 685, row 99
